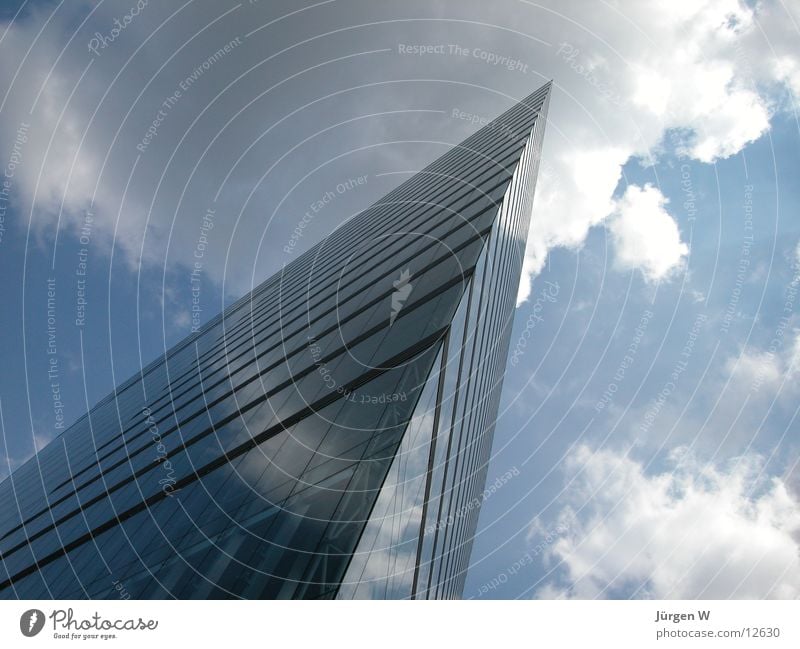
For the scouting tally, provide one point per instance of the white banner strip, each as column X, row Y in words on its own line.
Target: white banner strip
column 401, row 624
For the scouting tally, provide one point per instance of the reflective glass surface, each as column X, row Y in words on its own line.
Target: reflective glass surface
column 327, row 435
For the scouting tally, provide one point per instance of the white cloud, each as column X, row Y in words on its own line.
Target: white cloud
column 695, row 66
column 88, row 114
column 645, row 235
column 766, row 373
column 384, row 559
column 71, row 163
column 573, row 194
column 740, row 117
column 699, row 531
column 788, row 70
column 770, row 371
column 753, row 370
column 637, row 70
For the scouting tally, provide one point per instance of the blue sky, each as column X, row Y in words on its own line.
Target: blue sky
column 559, row 403
column 672, row 139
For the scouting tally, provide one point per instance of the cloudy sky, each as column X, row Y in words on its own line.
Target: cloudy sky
column 650, row 407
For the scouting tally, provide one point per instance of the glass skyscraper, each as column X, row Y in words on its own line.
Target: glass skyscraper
column 327, row 435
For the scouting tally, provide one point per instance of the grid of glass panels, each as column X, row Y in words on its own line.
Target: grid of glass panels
column 250, row 459
column 443, row 500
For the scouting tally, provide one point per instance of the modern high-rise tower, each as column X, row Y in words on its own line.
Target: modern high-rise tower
column 327, row 435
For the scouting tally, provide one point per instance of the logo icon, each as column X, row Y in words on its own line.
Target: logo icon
column 403, row 289
column 31, row 622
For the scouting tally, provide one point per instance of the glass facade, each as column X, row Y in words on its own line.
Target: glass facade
column 326, row 436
